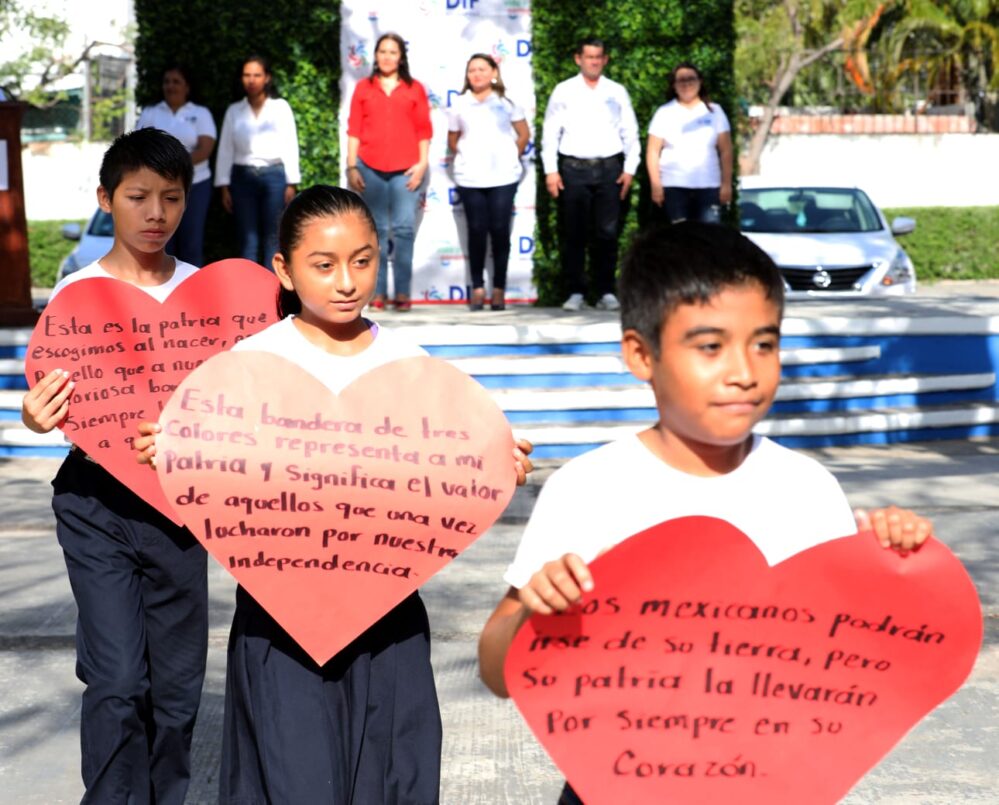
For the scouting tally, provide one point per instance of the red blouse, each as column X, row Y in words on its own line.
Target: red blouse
column 389, row 126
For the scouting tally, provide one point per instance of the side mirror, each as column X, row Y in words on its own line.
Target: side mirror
column 71, row 231
column 903, row 225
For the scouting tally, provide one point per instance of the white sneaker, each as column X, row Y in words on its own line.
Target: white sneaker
column 574, row 302
column 608, row 302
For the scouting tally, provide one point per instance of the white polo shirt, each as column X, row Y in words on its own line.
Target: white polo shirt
column 690, row 143
column 487, row 148
column 187, row 124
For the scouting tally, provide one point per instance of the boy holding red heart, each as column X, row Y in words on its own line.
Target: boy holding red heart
column 701, row 309
column 139, row 580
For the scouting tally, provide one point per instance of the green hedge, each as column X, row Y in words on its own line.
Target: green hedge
column 646, row 40
column 952, row 243
column 302, row 42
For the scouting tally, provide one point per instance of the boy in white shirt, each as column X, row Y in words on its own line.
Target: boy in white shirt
column 701, row 308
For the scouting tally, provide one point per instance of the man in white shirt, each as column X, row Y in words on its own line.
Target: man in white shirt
column 590, row 153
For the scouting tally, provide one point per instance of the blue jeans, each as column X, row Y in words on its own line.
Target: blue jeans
column 257, row 202
column 692, row 204
column 394, row 209
column 188, row 241
column 487, row 213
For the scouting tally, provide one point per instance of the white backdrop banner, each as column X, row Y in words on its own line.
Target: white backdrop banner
column 440, row 36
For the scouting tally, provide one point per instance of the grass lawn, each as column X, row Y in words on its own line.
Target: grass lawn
column 952, row 243
column 955, row 243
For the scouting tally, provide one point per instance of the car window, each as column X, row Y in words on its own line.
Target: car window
column 102, row 225
column 807, row 209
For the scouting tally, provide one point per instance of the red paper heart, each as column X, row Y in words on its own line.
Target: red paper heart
column 709, row 697
column 392, row 423
column 96, row 330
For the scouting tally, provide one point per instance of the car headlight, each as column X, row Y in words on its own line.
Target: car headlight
column 899, row 270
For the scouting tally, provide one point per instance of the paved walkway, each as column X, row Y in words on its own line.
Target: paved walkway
column 489, row 757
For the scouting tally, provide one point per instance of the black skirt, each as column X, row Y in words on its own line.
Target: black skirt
column 363, row 729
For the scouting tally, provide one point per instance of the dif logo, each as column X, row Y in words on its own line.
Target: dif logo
column 467, row 5
column 525, row 244
column 522, row 48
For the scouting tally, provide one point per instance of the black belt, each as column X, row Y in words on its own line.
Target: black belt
column 588, row 162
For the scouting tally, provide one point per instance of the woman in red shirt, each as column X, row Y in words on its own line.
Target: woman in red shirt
column 388, row 139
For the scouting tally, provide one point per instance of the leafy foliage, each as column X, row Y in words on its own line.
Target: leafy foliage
column 952, row 243
column 951, row 43
column 645, row 41
column 301, row 41
column 42, row 61
column 46, row 250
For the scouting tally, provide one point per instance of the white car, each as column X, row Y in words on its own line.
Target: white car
column 829, row 242
column 95, row 240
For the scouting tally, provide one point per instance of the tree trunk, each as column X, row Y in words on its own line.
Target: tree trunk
column 750, row 164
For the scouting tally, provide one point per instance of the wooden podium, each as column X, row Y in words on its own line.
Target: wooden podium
column 15, row 273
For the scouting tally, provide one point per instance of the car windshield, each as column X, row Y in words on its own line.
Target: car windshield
column 102, row 225
column 806, row 209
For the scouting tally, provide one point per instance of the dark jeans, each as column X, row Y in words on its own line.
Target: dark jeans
column 257, row 202
column 591, row 205
column 141, row 590
column 487, row 212
column 692, row 204
column 188, row 241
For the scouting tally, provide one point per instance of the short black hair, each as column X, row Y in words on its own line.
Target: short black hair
column 591, row 42
column 162, row 153
column 685, row 264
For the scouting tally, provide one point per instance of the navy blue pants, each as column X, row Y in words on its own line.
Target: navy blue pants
column 590, row 207
column 488, row 211
column 363, row 729
column 187, row 243
column 257, row 202
column 141, row 588
column 692, row 204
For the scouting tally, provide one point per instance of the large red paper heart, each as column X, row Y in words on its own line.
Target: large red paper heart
column 695, row 673
column 328, row 509
column 127, row 352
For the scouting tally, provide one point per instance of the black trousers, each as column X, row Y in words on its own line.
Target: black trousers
column 488, row 213
column 363, row 729
column 692, row 204
column 141, row 588
column 590, row 209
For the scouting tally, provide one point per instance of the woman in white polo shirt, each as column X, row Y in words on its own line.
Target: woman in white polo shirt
column 257, row 167
column 193, row 125
column 487, row 134
column 689, row 152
